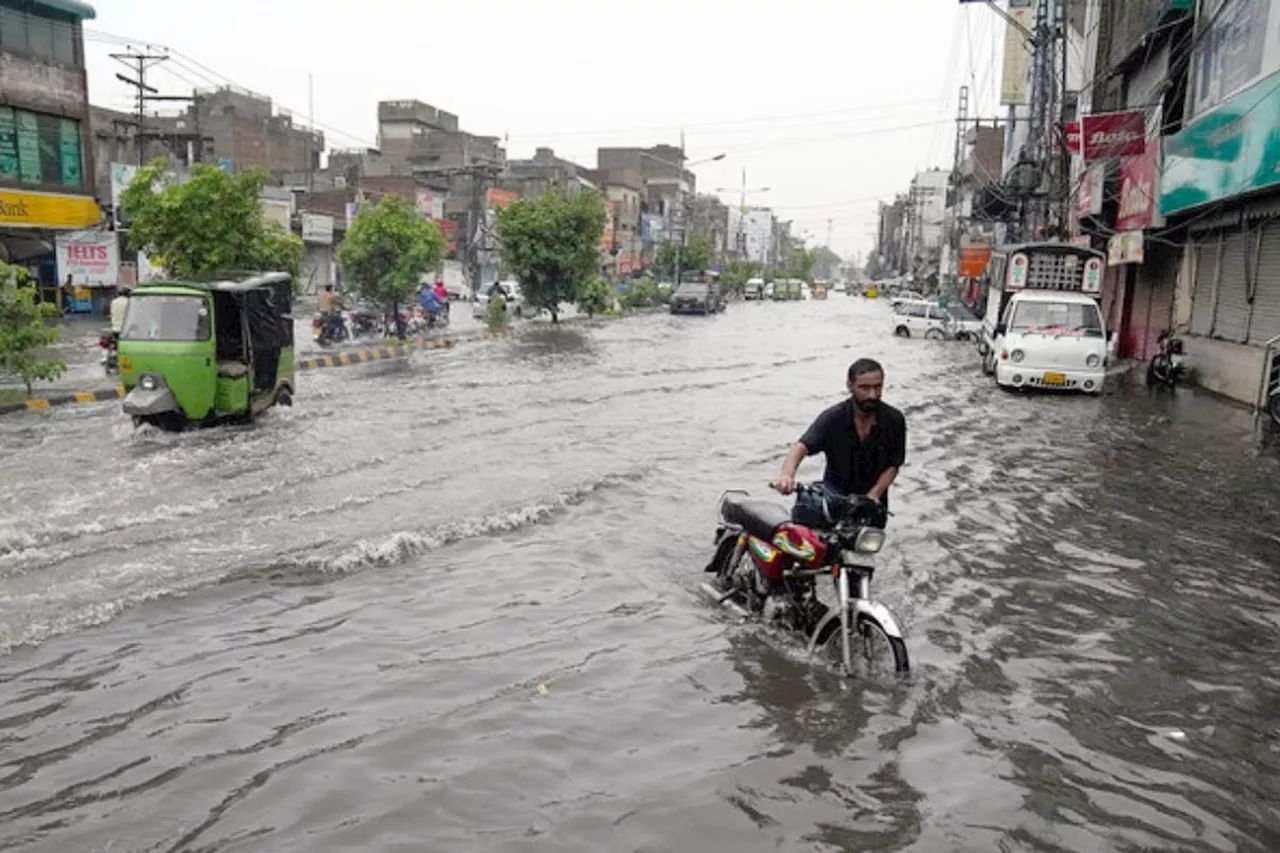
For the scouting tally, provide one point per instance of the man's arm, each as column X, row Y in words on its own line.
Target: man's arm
column 787, row 482
column 897, row 456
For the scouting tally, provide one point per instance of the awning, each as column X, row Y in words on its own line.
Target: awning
column 75, row 8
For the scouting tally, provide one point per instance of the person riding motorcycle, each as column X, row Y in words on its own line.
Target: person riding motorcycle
column 330, row 306
column 433, row 306
column 119, row 306
column 863, row 438
column 442, row 293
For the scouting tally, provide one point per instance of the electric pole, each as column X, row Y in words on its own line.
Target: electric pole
column 139, row 64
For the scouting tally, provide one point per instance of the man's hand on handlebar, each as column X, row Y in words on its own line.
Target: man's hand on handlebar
column 786, row 484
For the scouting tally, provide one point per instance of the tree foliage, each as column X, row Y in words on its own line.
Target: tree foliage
column 387, row 251
column 737, row 273
column 209, row 223
column 23, row 331
column 552, row 245
column 694, row 256
column 801, row 263
column 596, row 297
column 495, row 313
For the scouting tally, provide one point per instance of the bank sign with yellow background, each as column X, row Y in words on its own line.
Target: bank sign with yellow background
column 47, row 210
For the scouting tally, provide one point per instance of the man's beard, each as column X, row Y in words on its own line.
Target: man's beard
column 867, row 407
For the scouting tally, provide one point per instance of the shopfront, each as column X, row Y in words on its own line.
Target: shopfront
column 30, row 225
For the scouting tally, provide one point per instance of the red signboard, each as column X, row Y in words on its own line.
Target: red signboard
column 1138, row 176
column 1113, row 135
column 973, row 261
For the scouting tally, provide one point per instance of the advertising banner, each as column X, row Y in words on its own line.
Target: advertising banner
column 317, row 228
column 1015, row 78
column 1110, row 135
column 1125, row 248
column 89, row 257
column 1239, row 45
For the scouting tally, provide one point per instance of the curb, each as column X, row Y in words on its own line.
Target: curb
column 40, row 404
column 343, row 359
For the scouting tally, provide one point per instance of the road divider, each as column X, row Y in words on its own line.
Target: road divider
column 40, row 404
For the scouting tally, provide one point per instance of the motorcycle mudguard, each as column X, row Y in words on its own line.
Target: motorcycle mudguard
column 874, row 609
column 728, row 540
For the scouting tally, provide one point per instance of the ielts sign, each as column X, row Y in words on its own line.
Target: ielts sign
column 89, row 257
column 1112, row 135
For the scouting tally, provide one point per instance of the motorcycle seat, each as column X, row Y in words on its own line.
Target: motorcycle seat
column 758, row 517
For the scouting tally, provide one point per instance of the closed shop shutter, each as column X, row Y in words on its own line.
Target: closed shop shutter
column 1112, row 296
column 1231, row 322
column 1206, row 273
column 1266, row 300
column 1161, row 312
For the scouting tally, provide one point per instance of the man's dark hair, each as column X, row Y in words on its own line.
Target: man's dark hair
column 864, row 365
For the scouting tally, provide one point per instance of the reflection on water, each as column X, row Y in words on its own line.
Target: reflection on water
column 448, row 603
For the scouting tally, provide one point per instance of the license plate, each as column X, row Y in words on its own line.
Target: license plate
column 126, row 364
column 1055, row 379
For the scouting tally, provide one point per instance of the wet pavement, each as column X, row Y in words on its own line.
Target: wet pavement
column 450, row 603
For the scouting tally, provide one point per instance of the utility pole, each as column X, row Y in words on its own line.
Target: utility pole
column 139, row 63
column 311, row 127
column 830, row 222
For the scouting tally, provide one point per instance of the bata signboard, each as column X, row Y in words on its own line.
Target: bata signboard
column 1113, row 135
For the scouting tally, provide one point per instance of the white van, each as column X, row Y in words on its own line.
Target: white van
column 1051, row 339
column 920, row 318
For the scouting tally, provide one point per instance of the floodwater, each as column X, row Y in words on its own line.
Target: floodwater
column 451, row 604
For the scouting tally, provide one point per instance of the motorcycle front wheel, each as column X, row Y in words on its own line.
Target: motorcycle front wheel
column 874, row 653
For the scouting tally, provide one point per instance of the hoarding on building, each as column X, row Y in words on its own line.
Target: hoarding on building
column 501, row 198
column 1238, row 46
column 1125, row 248
column 1015, row 79
column 1227, row 152
column 1107, row 136
column 317, row 228
column 47, row 210
column 89, row 257
column 429, row 204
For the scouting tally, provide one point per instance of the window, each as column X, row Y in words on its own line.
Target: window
column 40, row 149
column 166, row 318
column 1057, row 318
column 43, row 34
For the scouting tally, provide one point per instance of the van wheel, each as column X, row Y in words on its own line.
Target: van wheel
column 934, row 335
column 902, row 332
column 989, row 363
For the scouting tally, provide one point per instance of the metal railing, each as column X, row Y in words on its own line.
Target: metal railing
column 1268, row 382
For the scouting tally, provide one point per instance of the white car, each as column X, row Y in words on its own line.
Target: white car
column 920, row 318
column 510, row 292
column 965, row 325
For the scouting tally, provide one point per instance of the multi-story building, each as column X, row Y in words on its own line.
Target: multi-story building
column 1219, row 190
column 46, row 156
column 925, row 221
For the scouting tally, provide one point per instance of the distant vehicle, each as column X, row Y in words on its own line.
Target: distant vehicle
column 1043, row 327
column 965, row 324
column 694, row 297
column 754, row 289
column 788, row 290
column 510, row 292
column 905, row 295
column 920, row 318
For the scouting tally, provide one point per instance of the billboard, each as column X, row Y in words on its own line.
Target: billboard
column 1107, row 136
column 1015, row 79
column 89, row 257
column 1239, row 46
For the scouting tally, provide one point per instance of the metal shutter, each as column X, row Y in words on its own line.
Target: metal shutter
column 1266, row 299
column 1206, row 275
column 1231, row 320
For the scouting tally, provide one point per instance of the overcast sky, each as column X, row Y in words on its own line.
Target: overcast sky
column 832, row 104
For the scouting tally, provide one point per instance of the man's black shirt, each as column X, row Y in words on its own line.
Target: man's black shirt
column 854, row 465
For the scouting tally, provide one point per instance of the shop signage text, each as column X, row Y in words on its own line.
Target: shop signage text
column 47, row 210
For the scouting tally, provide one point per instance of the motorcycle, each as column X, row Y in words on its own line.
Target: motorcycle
column 365, row 321
column 329, row 328
column 1169, row 365
column 767, row 562
column 109, row 360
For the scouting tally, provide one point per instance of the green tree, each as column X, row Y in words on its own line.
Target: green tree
column 737, row 273
column 596, row 296
column 694, row 256
column 208, row 223
column 552, row 245
column 23, row 331
column 802, row 261
column 387, row 251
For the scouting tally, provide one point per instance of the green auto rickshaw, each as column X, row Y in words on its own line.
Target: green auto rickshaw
column 199, row 353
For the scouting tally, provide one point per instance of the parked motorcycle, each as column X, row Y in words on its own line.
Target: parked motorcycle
column 767, row 562
column 329, row 328
column 1168, row 366
column 109, row 360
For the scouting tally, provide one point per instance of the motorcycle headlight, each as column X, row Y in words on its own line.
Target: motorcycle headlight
column 148, row 383
column 1093, row 360
column 1017, row 355
column 869, row 541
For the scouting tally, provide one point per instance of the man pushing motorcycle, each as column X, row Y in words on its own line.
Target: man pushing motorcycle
column 864, row 440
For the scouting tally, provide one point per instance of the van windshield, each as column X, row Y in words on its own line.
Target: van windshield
column 1057, row 318
column 166, row 318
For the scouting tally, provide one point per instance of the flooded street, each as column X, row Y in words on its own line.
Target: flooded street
column 451, row 604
